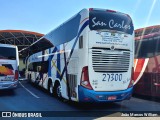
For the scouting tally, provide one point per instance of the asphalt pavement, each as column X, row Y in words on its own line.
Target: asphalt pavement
column 30, row 98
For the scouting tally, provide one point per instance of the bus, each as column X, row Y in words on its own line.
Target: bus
column 147, row 61
column 92, row 58
column 9, row 62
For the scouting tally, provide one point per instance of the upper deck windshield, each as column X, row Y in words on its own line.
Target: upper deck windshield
column 104, row 20
column 7, row 53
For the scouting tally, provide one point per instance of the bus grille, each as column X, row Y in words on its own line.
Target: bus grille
column 110, row 61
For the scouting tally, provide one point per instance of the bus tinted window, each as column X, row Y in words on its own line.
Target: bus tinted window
column 7, row 53
column 30, row 67
column 65, row 32
column 110, row 21
column 147, row 48
column 43, row 65
column 146, row 31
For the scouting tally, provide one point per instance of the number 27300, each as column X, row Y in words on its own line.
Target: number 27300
column 112, row 77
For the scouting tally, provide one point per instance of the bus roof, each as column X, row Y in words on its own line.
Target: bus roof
column 7, row 45
column 146, row 31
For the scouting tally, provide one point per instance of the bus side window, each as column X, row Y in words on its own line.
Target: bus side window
column 80, row 42
column 30, row 67
column 44, row 66
column 38, row 68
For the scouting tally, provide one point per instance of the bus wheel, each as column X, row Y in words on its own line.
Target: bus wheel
column 50, row 87
column 57, row 90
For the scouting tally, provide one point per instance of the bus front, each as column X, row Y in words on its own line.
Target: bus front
column 8, row 66
column 108, row 76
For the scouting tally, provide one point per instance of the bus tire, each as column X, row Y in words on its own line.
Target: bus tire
column 50, row 87
column 57, row 90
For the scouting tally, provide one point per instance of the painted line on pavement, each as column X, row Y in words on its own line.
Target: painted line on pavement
column 29, row 91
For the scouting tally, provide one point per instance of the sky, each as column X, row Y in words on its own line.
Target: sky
column 42, row 16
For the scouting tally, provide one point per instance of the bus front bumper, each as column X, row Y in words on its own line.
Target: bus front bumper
column 86, row 95
column 8, row 85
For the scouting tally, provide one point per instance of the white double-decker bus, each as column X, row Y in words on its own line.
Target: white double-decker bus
column 92, row 58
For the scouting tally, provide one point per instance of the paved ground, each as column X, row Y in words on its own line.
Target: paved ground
column 28, row 97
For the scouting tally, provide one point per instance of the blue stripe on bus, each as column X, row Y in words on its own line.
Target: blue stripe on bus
column 58, row 63
column 50, row 60
column 54, row 50
column 68, row 88
column 82, row 28
column 49, row 66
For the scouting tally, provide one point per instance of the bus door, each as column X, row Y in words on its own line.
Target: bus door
column 145, row 83
column 153, row 82
column 156, row 84
column 38, row 74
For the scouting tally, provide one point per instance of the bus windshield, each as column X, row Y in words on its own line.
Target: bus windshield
column 100, row 20
column 7, row 53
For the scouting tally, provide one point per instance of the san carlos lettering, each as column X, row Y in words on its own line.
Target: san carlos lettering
column 98, row 23
column 111, row 24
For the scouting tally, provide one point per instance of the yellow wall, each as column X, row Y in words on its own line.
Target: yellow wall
column 21, row 65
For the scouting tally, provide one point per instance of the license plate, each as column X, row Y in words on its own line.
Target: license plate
column 112, row 97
